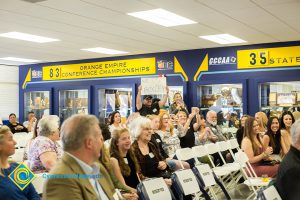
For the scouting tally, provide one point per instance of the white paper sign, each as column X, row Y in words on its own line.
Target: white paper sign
column 123, row 105
column 157, row 189
column 110, row 102
column 206, row 174
column 153, row 86
column 271, row 193
column 188, row 181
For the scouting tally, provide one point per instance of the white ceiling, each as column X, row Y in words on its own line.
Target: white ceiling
column 104, row 23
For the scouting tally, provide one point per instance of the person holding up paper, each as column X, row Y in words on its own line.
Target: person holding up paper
column 148, row 107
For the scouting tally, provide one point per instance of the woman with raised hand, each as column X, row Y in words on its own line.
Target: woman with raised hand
column 258, row 156
column 178, row 104
column 286, row 121
column 8, row 189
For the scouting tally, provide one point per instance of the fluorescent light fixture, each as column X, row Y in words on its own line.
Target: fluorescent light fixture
column 223, row 39
column 162, row 17
column 104, row 50
column 19, row 59
column 28, row 37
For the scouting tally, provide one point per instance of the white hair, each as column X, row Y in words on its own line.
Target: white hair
column 295, row 132
column 136, row 126
column 47, row 125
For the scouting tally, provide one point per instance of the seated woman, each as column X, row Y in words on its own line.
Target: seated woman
column 44, row 150
column 14, row 126
column 240, row 132
column 123, row 161
column 273, row 138
column 151, row 162
column 262, row 120
column 255, row 151
column 104, row 159
column 178, row 105
column 286, row 121
column 8, row 189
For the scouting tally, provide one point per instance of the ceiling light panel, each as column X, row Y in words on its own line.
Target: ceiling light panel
column 27, row 37
column 104, row 51
column 223, row 39
column 162, row 17
column 20, row 59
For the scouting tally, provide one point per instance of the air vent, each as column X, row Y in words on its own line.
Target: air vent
column 34, row 1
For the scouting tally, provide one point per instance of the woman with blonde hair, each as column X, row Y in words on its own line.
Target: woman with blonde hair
column 262, row 121
column 8, row 189
column 257, row 154
column 178, row 104
column 123, row 160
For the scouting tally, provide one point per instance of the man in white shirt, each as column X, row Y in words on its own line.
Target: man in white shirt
column 81, row 176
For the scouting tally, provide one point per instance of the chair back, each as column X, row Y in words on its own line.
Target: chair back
column 184, row 154
column 199, row 151
column 205, row 173
column 234, row 144
column 154, row 189
column 211, row 148
column 18, row 155
column 268, row 194
column 223, row 145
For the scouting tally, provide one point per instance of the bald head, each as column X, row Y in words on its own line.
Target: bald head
column 76, row 129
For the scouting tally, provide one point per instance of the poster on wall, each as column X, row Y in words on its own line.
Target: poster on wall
column 123, row 105
column 286, row 99
column 153, row 86
column 110, row 102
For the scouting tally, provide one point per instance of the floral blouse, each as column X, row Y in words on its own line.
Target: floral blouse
column 171, row 142
column 38, row 146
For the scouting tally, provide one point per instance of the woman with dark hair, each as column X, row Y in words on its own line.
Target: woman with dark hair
column 286, row 121
column 123, row 161
column 15, row 126
column 115, row 121
column 272, row 138
column 240, row 132
column 255, row 150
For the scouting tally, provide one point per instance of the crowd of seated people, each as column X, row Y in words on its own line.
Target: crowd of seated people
column 143, row 147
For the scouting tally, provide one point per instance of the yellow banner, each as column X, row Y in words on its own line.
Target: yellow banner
column 270, row 57
column 131, row 67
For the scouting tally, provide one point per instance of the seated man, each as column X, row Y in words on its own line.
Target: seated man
column 211, row 122
column 149, row 107
column 77, row 175
column 288, row 176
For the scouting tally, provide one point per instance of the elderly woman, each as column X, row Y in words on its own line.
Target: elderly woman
column 44, row 150
column 8, row 189
column 14, row 126
column 148, row 156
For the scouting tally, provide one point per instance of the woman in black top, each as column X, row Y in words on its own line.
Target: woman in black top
column 123, row 160
column 14, row 126
column 272, row 137
column 151, row 162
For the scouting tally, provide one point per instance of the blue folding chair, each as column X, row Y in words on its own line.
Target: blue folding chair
column 154, row 189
